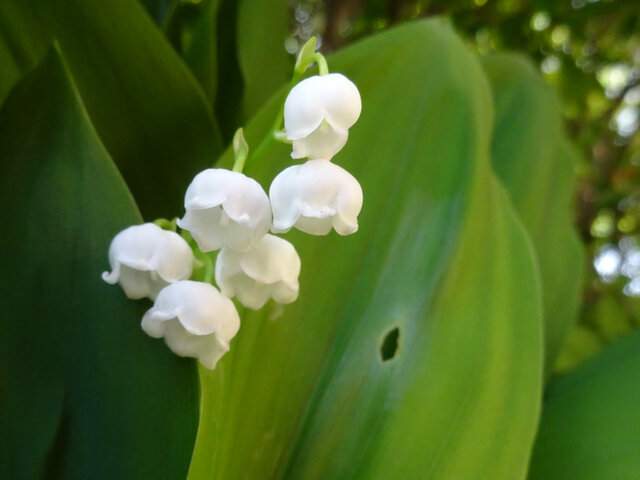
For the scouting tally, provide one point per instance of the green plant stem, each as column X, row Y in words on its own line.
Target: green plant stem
column 238, row 165
column 240, row 150
column 323, row 68
column 209, row 268
column 166, row 224
column 277, row 125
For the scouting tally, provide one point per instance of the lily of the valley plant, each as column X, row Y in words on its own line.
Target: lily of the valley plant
column 230, row 213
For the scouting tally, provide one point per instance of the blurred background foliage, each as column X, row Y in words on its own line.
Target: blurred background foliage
column 589, row 50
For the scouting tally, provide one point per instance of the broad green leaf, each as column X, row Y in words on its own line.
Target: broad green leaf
column 201, row 53
column 158, row 10
column 236, row 50
column 11, row 70
column 564, row 265
column 230, row 84
column 84, row 392
column 605, row 318
column 536, row 164
column 589, row 427
column 147, row 107
column 16, row 56
column 263, row 28
column 414, row 349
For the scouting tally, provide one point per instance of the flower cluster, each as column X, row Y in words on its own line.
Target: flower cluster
column 318, row 195
column 229, row 213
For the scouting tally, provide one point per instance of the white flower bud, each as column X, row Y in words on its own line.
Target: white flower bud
column 269, row 270
column 318, row 113
column 225, row 208
column 194, row 319
column 314, row 197
column 145, row 259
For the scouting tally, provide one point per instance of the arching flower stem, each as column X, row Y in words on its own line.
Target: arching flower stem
column 209, row 268
column 307, row 56
column 323, row 68
column 166, row 224
column 203, row 260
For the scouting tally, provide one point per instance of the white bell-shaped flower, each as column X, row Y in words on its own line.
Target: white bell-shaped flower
column 225, row 208
column 194, row 319
column 145, row 259
column 318, row 113
column 269, row 270
column 314, row 197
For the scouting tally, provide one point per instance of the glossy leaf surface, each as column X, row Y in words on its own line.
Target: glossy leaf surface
column 263, row 28
column 158, row 10
column 230, row 84
column 84, row 392
column 536, row 164
column 589, row 427
column 201, row 53
column 414, row 349
column 147, row 107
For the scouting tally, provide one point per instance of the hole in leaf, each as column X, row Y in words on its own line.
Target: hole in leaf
column 389, row 345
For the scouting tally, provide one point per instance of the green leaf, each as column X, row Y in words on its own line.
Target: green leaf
column 589, row 428
column 305, row 56
column 414, row 349
column 236, row 50
column 263, row 28
column 10, row 71
column 84, row 392
column 147, row 107
column 230, row 84
column 158, row 10
column 536, row 165
column 201, row 52
column 16, row 56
